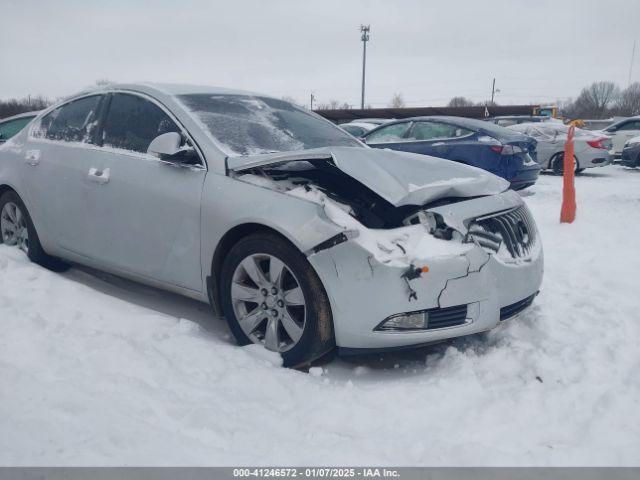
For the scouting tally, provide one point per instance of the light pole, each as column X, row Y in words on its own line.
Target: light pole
column 364, row 29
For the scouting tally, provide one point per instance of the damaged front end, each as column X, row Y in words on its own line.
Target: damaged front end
column 417, row 260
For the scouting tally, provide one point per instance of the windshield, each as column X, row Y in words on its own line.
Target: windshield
column 251, row 125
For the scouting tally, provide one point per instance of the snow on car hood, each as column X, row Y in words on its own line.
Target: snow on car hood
column 400, row 178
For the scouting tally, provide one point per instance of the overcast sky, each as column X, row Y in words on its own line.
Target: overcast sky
column 429, row 51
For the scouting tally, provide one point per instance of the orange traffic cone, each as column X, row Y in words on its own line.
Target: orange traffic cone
column 568, row 211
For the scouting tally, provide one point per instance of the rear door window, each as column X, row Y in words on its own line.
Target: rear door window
column 72, row 122
column 133, row 122
column 389, row 134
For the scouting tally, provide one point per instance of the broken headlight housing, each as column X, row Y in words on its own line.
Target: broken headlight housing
column 433, row 222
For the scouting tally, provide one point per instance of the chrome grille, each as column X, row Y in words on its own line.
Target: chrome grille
column 514, row 228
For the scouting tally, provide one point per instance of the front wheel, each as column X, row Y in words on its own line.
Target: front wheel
column 17, row 230
column 271, row 296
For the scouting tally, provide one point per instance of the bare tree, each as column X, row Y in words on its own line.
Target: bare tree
column 460, row 102
column 397, row 101
column 15, row 106
column 595, row 100
column 332, row 105
column 628, row 103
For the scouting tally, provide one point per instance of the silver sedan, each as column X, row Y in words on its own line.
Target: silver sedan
column 305, row 238
column 590, row 149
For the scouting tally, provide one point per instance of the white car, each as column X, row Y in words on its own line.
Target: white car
column 305, row 238
column 622, row 131
column 591, row 149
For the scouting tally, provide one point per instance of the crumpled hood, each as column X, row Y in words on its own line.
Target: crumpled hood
column 400, row 178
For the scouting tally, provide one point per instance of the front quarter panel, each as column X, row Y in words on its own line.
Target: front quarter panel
column 228, row 203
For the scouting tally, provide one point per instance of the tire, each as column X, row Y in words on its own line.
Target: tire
column 579, row 170
column 557, row 164
column 269, row 316
column 13, row 210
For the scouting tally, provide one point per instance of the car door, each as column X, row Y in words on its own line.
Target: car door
column 144, row 212
column 622, row 132
column 60, row 147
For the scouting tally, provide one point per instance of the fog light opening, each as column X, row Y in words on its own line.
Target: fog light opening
column 404, row 322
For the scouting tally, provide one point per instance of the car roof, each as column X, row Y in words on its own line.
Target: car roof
column 624, row 120
column 488, row 128
column 459, row 121
column 170, row 89
column 359, row 124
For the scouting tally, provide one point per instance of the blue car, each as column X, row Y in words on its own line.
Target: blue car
column 506, row 153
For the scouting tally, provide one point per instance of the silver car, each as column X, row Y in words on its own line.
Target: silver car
column 305, row 238
column 590, row 149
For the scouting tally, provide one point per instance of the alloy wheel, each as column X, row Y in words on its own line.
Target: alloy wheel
column 13, row 226
column 268, row 302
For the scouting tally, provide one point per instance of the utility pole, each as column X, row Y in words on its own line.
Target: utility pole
column 633, row 54
column 493, row 90
column 365, row 29
column 313, row 97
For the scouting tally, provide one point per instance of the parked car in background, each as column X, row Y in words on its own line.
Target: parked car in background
column 590, row 149
column 622, row 131
column 507, row 120
column 304, row 238
column 357, row 129
column 504, row 152
column 631, row 152
column 598, row 124
column 10, row 126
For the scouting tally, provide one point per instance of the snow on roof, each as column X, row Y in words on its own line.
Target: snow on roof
column 173, row 89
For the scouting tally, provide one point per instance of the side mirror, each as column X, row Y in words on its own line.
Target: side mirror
column 363, row 139
column 167, row 144
column 168, row 147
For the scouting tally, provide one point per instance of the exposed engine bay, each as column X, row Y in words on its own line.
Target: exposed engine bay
column 366, row 206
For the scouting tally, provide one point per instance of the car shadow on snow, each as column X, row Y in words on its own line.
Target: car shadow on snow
column 161, row 301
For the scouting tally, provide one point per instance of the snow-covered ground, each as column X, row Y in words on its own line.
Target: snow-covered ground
column 99, row 371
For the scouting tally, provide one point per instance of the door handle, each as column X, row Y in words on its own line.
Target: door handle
column 99, row 176
column 439, row 144
column 32, row 157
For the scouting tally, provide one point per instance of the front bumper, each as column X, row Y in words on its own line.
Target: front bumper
column 363, row 292
column 631, row 157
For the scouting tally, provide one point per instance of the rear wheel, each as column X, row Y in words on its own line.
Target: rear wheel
column 17, row 230
column 271, row 296
column 557, row 164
